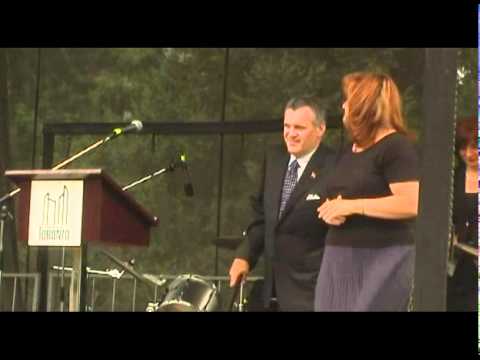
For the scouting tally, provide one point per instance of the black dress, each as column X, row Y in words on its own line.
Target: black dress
column 462, row 288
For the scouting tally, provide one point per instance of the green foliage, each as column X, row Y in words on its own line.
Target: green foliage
column 467, row 91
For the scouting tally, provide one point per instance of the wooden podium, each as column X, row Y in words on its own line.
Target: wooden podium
column 73, row 208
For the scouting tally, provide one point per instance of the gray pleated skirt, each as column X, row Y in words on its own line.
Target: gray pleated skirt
column 365, row 279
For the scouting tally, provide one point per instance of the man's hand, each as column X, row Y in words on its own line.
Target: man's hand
column 239, row 270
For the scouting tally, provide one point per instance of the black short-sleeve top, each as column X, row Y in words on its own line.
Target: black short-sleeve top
column 367, row 174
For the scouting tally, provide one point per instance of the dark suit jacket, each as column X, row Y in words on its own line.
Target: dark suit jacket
column 292, row 245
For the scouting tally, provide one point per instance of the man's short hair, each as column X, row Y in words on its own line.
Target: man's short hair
column 313, row 102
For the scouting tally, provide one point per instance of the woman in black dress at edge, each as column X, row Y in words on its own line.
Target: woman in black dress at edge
column 462, row 289
column 372, row 197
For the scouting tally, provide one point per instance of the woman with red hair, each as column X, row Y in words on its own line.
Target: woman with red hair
column 372, row 197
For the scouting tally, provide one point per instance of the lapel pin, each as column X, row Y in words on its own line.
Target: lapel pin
column 313, row 175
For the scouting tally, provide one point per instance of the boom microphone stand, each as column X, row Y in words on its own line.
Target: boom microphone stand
column 170, row 167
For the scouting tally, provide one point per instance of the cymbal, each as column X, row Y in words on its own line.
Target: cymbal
column 228, row 242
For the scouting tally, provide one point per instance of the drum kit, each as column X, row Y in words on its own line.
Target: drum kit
column 186, row 293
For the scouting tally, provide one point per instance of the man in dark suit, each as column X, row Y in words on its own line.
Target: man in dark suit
column 285, row 227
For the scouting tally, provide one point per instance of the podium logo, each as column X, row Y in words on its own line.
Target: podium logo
column 55, row 217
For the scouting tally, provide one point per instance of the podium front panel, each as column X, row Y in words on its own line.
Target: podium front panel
column 55, row 213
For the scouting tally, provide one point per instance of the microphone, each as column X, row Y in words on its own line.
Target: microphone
column 135, row 125
column 188, row 182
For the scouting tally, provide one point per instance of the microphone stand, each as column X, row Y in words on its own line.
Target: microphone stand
column 149, row 281
column 115, row 274
column 86, row 150
column 9, row 195
column 171, row 167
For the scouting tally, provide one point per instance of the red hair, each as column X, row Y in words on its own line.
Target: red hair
column 373, row 101
column 466, row 133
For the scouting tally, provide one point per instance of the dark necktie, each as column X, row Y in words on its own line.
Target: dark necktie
column 288, row 185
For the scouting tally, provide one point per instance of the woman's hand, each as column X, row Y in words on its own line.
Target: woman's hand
column 335, row 212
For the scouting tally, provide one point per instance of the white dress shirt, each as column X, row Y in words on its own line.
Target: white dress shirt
column 302, row 162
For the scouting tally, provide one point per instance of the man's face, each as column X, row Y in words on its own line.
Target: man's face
column 300, row 132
